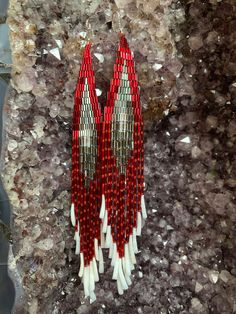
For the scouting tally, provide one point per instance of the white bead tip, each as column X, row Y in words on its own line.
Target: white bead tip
column 127, row 276
column 143, row 207
column 81, row 270
column 114, row 255
column 139, row 224
column 116, row 268
column 101, row 264
column 77, row 239
column 119, row 287
column 111, row 249
column 131, row 250
column 72, row 214
column 102, row 239
column 127, row 260
column 122, row 277
column 104, row 225
column 108, row 237
column 86, row 281
column 95, row 271
column 96, row 249
column 103, row 207
column 91, row 278
column 135, row 245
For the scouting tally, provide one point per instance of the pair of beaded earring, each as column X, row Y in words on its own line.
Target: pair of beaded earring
column 107, row 172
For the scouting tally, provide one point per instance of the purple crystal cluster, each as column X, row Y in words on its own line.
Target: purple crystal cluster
column 186, row 63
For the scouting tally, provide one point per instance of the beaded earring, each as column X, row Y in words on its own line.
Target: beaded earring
column 86, row 176
column 123, row 206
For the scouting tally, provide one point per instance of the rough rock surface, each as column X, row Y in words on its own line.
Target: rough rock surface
column 186, row 64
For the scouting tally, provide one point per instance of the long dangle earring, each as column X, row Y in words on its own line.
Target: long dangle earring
column 86, row 176
column 123, row 206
